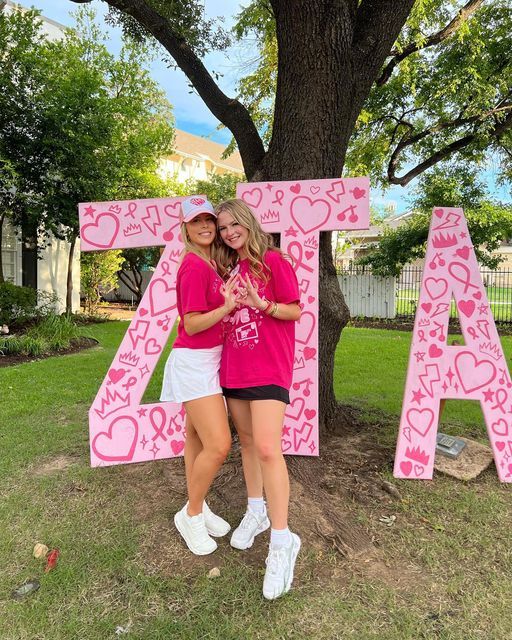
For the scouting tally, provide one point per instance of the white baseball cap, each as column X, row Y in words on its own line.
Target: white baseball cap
column 195, row 205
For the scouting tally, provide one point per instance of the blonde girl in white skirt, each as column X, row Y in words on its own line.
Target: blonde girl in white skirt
column 192, row 372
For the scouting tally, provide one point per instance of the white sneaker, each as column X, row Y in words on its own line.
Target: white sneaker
column 252, row 524
column 215, row 525
column 280, row 564
column 194, row 532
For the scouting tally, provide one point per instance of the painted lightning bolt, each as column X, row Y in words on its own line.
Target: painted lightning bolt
column 138, row 332
column 152, row 218
column 429, row 378
column 336, row 191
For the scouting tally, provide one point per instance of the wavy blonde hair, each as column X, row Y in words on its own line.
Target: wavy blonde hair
column 258, row 241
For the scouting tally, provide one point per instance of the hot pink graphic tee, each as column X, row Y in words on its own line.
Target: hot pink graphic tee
column 198, row 289
column 258, row 349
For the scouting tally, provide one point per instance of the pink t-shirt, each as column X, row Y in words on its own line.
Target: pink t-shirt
column 258, row 349
column 198, row 289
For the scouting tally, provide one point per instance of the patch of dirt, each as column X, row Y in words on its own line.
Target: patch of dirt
column 117, row 311
column 76, row 346
column 326, row 494
column 56, row 464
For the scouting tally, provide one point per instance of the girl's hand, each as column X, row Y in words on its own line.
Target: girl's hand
column 252, row 298
column 228, row 293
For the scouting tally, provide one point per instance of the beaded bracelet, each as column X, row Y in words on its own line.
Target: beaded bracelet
column 274, row 310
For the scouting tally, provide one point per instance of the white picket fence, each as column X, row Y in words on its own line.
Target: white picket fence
column 369, row 296
column 366, row 295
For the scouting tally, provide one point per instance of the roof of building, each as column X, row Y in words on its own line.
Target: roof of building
column 205, row 149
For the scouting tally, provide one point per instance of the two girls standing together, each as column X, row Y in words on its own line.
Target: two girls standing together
column 238, row 300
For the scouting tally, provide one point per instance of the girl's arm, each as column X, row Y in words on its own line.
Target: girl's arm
column 278, row 310
column 196, row 321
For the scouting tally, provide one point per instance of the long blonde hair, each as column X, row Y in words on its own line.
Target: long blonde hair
column 258, row 241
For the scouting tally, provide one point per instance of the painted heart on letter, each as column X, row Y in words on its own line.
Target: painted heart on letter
column 295, row 408
column 439, row 213
column 418, row 470
column 309, row 214
column 177, row 446
column 436, row 287
column 162, row 297
column 116, row 374
column 252, row 197
column 118, row 443
column 500, row 445
column 358, row 193
column 473, row 373
column 426, row 306
column 477, row 295
column 305, row 327
column 420, row 420
column 309, row 353
column 311, row 299
column 467, row 307
column 314, row 190
column 463, row 253
column 309, row 254
column 143, row 312
column 101, row 233
column 152, row 347
column 500, row 427
column 434, row 351
column 310, row 414
column 406, row 468
column 295, row 188
column 286, row 445
column 173, row 210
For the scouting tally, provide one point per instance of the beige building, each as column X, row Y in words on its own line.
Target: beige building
column 198, row 158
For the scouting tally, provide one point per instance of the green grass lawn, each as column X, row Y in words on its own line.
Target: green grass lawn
column 443, row 570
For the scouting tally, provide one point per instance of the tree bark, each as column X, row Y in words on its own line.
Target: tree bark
column 69, row 282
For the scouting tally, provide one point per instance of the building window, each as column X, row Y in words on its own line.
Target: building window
column 9, row 252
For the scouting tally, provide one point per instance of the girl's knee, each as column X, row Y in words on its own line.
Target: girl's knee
column 268, row 452
column 220, row 449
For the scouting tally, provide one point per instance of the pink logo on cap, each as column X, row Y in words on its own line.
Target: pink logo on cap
column 197, row 201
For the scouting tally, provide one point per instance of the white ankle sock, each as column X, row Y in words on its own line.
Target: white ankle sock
column 257, row 505
column 280, row 537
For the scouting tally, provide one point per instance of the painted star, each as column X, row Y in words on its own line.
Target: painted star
column 456, row 386
column 417, row 396
column 419, row 355
column 291, row 232
column 269, row 187
column 445, row 386
column 488, row 395
column 143, row 370
column 463, row 234
column 450, row 375
column 482, row 309
column 502, row 464
column 144, row 441
column 141, row 412
column 182, row 412
column 154, row 449
column 89, row 211
column 286, row 431
column 312, row 447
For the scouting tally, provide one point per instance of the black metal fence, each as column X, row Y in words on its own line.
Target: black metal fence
column 498, row 287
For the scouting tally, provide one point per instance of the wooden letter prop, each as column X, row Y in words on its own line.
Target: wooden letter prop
column 476, row 371
column 121, row 429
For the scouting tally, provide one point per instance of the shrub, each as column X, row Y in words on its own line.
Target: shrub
column 19, row 305
column 51, row 334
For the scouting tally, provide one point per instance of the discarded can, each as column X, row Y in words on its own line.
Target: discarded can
column 51, row 560
column 25, row 590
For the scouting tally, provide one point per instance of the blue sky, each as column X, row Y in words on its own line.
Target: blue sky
column 191, row 113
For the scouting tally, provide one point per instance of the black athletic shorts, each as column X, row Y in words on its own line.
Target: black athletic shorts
column 265, row 392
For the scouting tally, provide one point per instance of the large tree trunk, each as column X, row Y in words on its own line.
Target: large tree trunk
column 69, row 282
column 326, row 68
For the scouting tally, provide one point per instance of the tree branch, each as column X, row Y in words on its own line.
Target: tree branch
column 229, row 111
column 445, row 33
column 496, row 132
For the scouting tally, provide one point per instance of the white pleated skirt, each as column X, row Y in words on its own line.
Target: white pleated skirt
column 190, row 374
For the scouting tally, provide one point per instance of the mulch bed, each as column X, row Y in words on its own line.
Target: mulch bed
column 76, row 346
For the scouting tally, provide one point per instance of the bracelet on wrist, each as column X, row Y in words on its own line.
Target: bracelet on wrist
column 267, row 306
column 274, row 310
